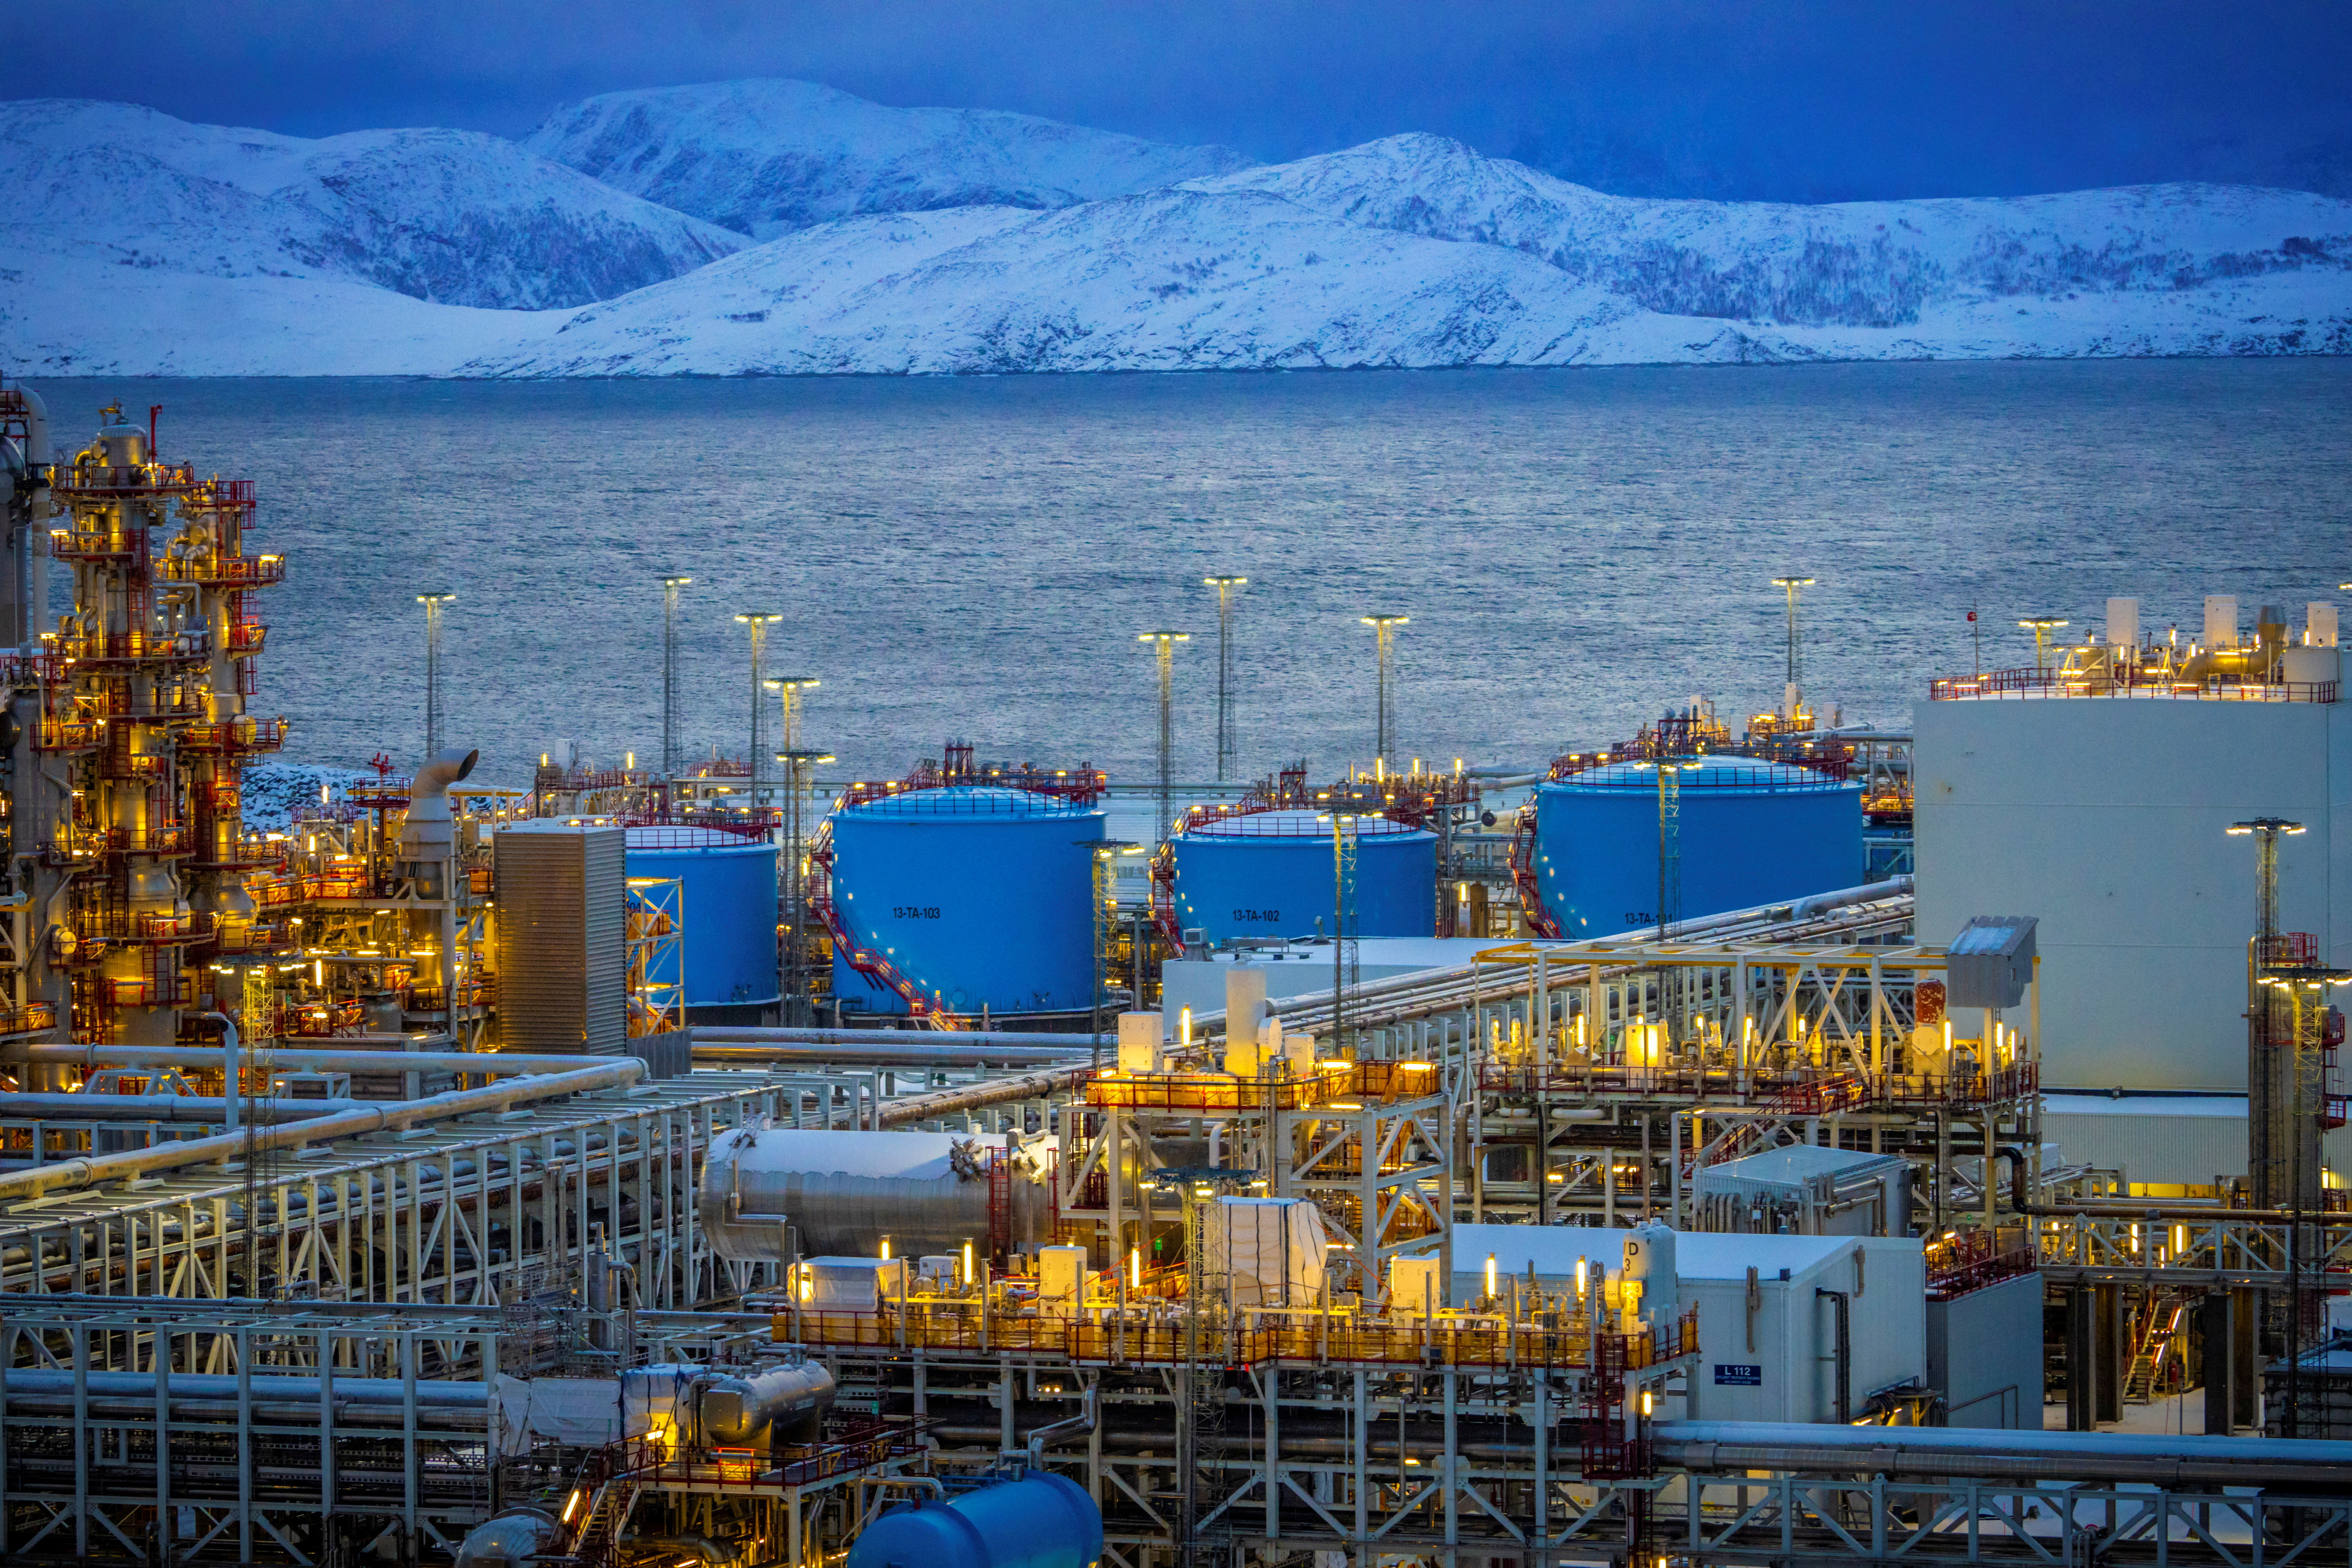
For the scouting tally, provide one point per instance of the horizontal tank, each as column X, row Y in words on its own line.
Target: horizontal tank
column 728, row 886
column 1272, row 874
column 1749, row 833
column 1042, row 1521
column 843, row 1193
column 978, row 895
column 785, row 1403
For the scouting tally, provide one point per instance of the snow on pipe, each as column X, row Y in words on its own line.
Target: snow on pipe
column 1925, row 1451
column 88, row 1170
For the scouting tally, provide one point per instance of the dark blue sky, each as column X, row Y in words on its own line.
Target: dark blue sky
column 1807, row 99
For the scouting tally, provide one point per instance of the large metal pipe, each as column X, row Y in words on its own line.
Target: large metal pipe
column 326, row 1058
column 205, row 1110
column 276, row 1388
column 757, row 1034
column 1764, row 922
column 1921, row 1452
column 88, row 1170
column 913, row 1058
column 974, row 1096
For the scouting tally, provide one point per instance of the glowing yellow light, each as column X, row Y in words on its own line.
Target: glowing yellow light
column 1648, row 1403
column 968, row 1276
column 1135, row 1268
column 573, row 1506
column 886, row 1249
column 1490, row 1274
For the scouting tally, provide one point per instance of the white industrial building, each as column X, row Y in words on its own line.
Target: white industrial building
column 1771, row 1307
column 2103, row 807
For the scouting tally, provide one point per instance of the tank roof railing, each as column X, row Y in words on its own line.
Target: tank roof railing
column 971, row 800
column 1283, row 821
column 1779, row 776
column 2028, row 683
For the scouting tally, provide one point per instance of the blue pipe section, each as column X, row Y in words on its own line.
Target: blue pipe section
column 1041, row 1520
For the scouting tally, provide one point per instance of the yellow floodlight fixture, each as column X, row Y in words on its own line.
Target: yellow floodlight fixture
column 2042, row 626
column 2278, row 825
column 1163, row 636
column 1224, row 581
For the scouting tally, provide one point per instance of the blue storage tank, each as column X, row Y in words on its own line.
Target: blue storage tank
column 1749, row 833
column 978, row 894
column 1042, row 1521
column 1270, row 874
column 729, row 888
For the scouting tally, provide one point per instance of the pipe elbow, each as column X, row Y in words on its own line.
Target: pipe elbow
column 439, row 773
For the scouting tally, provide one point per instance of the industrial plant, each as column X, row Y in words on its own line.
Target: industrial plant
column 1764, row 1141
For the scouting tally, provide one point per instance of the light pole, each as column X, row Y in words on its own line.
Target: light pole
column 1225, row 746
column 1384, row 640
column 433, row 603
column 1167, row 642
column 2042, row 626
column 759, row 621
column 670, row 585
column 1793, row 586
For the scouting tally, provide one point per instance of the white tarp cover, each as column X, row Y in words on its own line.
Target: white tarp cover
column 853, row 1284
column 587, row 1411
column 1272, row 1249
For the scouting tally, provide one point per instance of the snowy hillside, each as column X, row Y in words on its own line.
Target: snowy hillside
column 1866, row 264
column 148, row 247
column 768, row 157
column 448, row 217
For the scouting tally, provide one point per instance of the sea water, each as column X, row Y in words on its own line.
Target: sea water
column 1577, row 550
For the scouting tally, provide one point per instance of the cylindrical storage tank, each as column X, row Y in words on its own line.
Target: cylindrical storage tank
column 1042, row 1521
column 1271, row 873
column 519, row 1536
column 735, row 1410
column 728, row 884
column 842, row 1192
column 1749, row 833
column 979, row 896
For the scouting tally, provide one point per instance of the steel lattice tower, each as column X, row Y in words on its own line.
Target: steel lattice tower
column 1226, row 746
column 670, row 585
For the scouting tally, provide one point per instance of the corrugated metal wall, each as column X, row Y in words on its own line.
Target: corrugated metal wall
column 562, row 965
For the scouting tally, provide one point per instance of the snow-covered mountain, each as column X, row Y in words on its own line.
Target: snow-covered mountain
column 1407, row 252
column 1418, row 251
column 771, row 156
column 1859, row 264
column 449, row 216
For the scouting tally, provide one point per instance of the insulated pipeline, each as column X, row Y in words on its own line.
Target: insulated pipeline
column 89, row 1171
column 1920, row 1453
column 324, row 1058
column 279, row 1390
column 988, row 1091
column 203, row 1110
